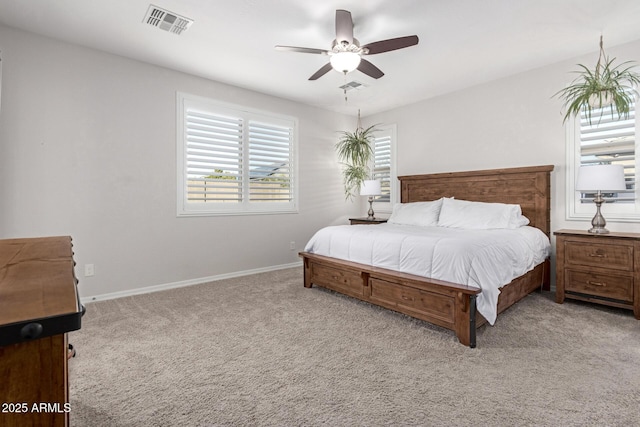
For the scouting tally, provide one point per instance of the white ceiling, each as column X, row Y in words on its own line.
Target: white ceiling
column 462, row 42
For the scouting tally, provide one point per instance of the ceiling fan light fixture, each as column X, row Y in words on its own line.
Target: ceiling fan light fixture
column 345, row 62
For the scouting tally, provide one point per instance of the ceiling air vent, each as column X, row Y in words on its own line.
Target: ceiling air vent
column 352, row 85
column 166, row 20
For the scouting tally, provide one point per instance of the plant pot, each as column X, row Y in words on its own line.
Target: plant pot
column 601, row 99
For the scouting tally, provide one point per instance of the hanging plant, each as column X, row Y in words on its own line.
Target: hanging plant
column 606, row 85
column 355, row 152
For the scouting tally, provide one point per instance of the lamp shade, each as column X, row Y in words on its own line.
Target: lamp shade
column 370, row 188
column 604, row 178
column 345, row 62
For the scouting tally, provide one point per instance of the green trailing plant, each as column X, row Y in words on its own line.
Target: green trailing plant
column 355, row 152
column 606, row 85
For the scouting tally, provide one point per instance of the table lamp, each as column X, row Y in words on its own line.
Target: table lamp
column 370, row 188
column 600, row 179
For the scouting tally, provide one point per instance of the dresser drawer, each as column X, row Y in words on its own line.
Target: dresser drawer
column 617, row 257
column 614, row 286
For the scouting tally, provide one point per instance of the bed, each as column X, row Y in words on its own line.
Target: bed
column 447, row 304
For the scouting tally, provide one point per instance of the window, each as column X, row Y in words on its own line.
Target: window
column 606, row 140
column 383, row 167
column 233, row 160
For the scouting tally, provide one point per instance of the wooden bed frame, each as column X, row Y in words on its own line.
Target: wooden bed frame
column 450, row 305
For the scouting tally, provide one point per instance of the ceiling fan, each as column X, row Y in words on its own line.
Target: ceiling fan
column 346, row 54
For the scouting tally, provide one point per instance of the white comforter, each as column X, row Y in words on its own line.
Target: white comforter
column 486, row 259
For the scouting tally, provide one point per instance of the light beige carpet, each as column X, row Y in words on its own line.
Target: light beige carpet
column 263, row 350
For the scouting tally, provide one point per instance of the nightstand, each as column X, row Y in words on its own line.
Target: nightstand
column 599, row 268
column 364, row 220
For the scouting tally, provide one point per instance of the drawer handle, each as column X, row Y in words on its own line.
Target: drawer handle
column 589, row 282
column 598, row 255
column 406, row 298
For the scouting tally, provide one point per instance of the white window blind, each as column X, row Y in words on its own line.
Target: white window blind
column 609, row 140
column 214, row 158
column 270, row 163
column 382, row 165
column 233, row 161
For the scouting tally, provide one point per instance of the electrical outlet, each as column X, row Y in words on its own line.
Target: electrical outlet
column 292, row 246
column 89, row 270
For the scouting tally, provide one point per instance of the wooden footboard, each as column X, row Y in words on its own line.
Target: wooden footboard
column 445, row 304
column 449, row 305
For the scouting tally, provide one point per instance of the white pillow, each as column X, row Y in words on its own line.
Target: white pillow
column 423, row 214
column 480, row 215
column 519, row 220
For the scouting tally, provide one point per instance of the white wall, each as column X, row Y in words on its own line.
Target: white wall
column 87, row 149
column 506, row 123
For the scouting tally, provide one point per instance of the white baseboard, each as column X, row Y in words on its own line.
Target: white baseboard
column 156, row 288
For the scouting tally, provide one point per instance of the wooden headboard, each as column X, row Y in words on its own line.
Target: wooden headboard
column 529, row 187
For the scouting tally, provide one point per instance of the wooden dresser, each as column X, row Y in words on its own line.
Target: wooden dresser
column 39, row 304
column 599, row 268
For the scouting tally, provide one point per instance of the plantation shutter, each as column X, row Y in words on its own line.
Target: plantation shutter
column 214, row 158
column 233, row 160
column 382, row 166
column 609, row 140
column 270, row 154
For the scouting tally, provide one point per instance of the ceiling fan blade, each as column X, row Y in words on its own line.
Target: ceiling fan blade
column 321, row 72
column 301, row 49
column 391, row 44
column 369, row 69
column 344, row 27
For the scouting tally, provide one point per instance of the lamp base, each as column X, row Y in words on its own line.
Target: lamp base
column 370, row 213
column 595, row 230
column 598, row 222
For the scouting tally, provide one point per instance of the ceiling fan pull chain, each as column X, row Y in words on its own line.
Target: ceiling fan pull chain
column 345, row 88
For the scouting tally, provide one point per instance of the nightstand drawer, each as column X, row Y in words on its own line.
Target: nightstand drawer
column 618, row 287
column 617, row 257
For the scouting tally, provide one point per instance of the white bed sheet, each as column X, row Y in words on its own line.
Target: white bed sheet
column 485, row 259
